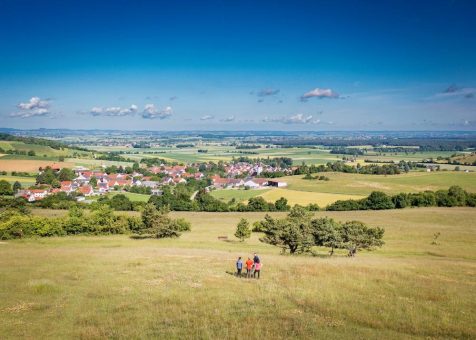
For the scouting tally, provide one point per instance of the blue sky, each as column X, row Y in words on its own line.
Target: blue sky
column 233, row 65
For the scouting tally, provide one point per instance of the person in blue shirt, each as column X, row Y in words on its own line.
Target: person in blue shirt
column 239, row 266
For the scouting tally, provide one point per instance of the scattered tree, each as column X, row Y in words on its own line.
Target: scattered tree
column 243, row 230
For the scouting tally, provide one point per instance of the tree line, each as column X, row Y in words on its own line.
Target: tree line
column 16, row 222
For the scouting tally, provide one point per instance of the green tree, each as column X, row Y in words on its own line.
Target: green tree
column 282, row 204
column 66, row 174
column 93, row 182
column 156, row 222
column 16, row 187
column 243, row 230
column 356, row 236
column 327, row 233
column 5, row 188
column 292, row 233
column 120, row 202
column 378, row 200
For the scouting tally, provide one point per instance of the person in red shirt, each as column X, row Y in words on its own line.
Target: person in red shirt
column 249, row 267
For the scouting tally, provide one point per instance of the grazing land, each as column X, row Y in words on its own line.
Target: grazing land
column 360, row 184
column 115, row 286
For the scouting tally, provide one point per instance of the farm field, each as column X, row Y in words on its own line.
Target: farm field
column 132, row 196
column 28, row 165
column 40, row 150
column 25, row 181
column 115, row 286
column 239, row 195
column 306, row 197
column 359, row 184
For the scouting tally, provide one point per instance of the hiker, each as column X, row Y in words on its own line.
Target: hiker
column 257, row 269
column 249, row 267
column 239, row 266
column 256, row 258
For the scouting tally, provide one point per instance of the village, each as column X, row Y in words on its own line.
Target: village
column 95, row 182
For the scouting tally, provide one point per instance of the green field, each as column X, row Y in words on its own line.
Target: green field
column 132, row 196
column 239, row 195
column 118, row 287
column 217, row 152
column 358, row 184
column 40, row 150
column 25, row 181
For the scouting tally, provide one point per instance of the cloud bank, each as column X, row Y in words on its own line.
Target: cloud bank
column 294, row 119
column 152, row 112
column 35, row 107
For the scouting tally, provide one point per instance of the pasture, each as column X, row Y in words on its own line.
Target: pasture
column 359, row 184
column 118, row 287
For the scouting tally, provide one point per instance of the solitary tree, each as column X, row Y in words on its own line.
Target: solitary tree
column 156, row 222
column 16, row 187
column 243, row 230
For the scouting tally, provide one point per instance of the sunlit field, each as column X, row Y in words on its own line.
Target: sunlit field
column 116, row 286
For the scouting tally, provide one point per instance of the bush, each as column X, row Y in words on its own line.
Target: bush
column 377, row 200
column 344, row 205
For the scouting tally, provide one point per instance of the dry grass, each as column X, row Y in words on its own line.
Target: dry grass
column 306, row 197
column 117, row 287
column 28, row 165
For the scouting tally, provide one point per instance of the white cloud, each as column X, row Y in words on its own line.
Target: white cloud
column 320, row 93
column 152, row 112
column 114, row 111
column 207, row 117
column 229, row 119
column 294, row 119
column 35, row 107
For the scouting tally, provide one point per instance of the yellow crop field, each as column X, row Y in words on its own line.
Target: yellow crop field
column 28, row 165
column 306, row 197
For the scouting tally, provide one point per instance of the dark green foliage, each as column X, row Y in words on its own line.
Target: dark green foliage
column 16, row 187
column 282, row 204
column 207, row 202
column 401, row 201
column 257, row 204
column 377, row 201
column 327, row 233
column 157, row 223
column 453, row 197
column 356, row 236
column 60, row 200
column 299, row 232
column 120, row 202
column 66, row 174
column 5, row 188
column 344, row 205
column 243, row 230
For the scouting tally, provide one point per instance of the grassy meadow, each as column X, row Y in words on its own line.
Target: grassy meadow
column 359, row 184
column 119, row 287
column 342, row 186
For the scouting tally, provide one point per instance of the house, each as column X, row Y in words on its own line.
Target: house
column 256, row 183
column 150, row 184
column 32, row 195
column 86, row 190
column 156, row 192
column 273, row 183
column 67, row 186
